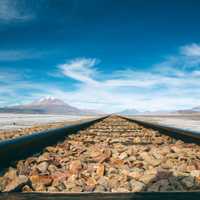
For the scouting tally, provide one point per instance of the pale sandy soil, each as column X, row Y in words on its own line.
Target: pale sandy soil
column 18, row 121
column 189, row 122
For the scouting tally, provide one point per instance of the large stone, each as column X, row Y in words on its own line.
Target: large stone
column 195, row 173
column 147, row 178
column 39, row 183
column 161, row 185
column 137, row 174
column 123, row 156
column 149, row 159
column 90, row 184
column 16, row 184
column 42, row 167
column 188, row 181
column 136, row 186
column 100, row 170
column 75, row 166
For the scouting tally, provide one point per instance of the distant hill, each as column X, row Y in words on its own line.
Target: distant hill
column 47, row 105
column 129, row 112
column 194, row 110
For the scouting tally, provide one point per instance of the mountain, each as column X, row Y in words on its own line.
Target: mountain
column 129, row 112
column 194, row 110
column 47, row 105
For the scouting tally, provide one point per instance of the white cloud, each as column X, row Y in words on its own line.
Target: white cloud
column 80, row 69
column 164, row 86
column 187, row 57
column 158, row 88
column 11, row 10
column 191, row 50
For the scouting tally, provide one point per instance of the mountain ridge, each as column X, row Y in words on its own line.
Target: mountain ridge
column 47, row 105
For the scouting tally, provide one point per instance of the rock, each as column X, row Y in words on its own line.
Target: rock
column 11, row 173
column 75, row 166
column 60, row 175
column 52, row 189
column 112, row 170
column 156, row 154
column 149, row 159
column 168, row 164
column 94, row 152
column 161, row 185
column 76, row 189
column 103, row 158
column 100, row 188
column 195, row 173
column 165, row 150
column 51, row 149
column 136, row 140
column 136, row 186
column 136, row 175
column 188, row 181
column 27, row 188
column 103, row 181
column 132, row 158
column 147, row 178
column 120, row 189
column 176, row 149
column 123, row 156
column 42, row 167
column 116, row 162
column 159, row 140
column 163, row 174
column 43, row 157
column 16, row 184
column 113, row 181
column 39, row 182
column 175, row 183
column 2, row 184
column 100, row 170
column 91, row 183
column 52, row 168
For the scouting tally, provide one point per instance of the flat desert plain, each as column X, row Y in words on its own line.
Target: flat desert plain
column 187, row 122
column 18, row 121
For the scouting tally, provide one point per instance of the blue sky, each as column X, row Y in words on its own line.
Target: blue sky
column 102, row 54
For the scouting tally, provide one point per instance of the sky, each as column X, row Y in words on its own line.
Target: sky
column 107, row 55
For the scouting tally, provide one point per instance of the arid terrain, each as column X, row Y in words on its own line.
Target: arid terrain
column 15, row 125
column 187, row 122
column 113, row 155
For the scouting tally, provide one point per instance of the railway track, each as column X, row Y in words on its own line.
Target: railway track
column 114, row 156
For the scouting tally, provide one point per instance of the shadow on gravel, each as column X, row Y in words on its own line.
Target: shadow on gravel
column 165, row 181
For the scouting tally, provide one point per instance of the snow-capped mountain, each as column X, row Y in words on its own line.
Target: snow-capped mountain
column 48, row 101
column 48, row 105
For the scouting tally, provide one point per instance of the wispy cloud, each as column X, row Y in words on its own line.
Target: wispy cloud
column 80, row 69
column 192, row 50
column 187, row 57
column 171, row 84
column 14, row 10
column 146, row 90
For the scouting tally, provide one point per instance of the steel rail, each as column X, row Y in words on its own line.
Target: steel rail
column 24, row 146
column 177, row 133
column 102, row 196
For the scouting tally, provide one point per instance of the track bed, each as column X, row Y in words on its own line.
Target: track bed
column 113, row 155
